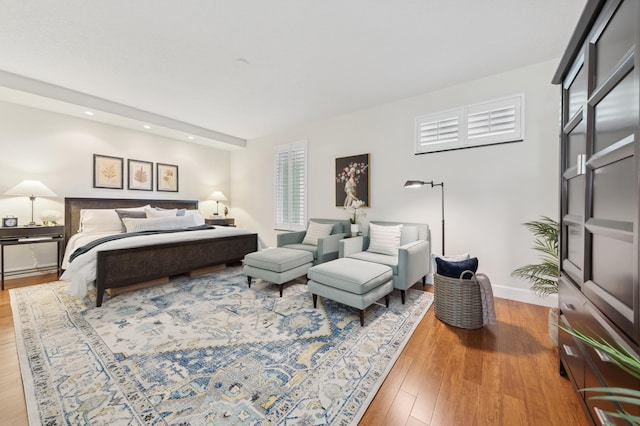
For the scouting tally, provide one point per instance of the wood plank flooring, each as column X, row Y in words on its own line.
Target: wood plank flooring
column 503, row 374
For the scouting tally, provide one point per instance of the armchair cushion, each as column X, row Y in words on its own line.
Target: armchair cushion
column 315, row 231
column 306, row 247
column 384, row 259
column 384, row 239
column 409, row 233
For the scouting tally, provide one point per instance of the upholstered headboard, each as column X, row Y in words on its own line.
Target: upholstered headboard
column 72, row 207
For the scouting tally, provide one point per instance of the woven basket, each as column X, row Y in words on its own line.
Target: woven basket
column 457, row 301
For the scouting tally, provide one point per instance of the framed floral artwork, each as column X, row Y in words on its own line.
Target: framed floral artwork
column 167, row 177
column 108, row 172
column 352, row 180
column 140, row 175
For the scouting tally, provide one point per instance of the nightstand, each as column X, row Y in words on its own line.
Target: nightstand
column 221, row 221
column 31, row 235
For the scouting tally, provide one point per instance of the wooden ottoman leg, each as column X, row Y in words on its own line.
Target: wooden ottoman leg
column 315, row 300
column 249, row 280
column 281, row 285
column 386, row 300
column 424, row 281
column 402, row 295
column 361, row 317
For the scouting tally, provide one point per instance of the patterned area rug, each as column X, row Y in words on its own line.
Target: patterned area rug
column 205, row 350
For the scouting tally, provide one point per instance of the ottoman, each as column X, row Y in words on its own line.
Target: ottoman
column 277, row 265
column 352, row 282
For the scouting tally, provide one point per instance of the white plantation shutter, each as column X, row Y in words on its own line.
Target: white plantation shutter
column 492, row 122
column 281, row 190
column 438, row 130
column 290, row 186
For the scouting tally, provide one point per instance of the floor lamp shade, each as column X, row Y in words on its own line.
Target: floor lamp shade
column 217, row 196
column 420, row 183
column 31, row 189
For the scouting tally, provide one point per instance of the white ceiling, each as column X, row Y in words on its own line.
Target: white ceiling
column 249, row 68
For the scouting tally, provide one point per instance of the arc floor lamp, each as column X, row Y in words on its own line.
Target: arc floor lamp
column 420, row 183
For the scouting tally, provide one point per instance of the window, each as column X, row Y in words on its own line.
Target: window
column 488, row 123
column 291, row 186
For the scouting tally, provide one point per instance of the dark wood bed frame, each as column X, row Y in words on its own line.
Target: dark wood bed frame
column 123, row 267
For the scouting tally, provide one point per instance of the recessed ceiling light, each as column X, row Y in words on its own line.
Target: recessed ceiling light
column 190, row 137
column 89, row 112
column 146, row 126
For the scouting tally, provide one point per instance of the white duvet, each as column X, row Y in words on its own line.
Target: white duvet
column 82, row 271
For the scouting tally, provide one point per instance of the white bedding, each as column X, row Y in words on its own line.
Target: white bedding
column 82, row 271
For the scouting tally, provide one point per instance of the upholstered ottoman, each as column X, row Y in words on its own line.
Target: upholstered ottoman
column 277, row 265
column 353, row 282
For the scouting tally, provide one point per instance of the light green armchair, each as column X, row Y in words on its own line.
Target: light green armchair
column 410, row 264
column 327, row 246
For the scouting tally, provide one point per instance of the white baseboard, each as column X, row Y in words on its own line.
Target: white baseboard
column 525, row 296
column 23, row 272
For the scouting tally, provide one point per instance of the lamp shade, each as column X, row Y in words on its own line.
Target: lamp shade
column 217, row 196
column 414, row 183
column 31, row 188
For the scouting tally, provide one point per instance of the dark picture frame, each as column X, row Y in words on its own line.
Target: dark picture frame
column 352, row 180
column 166, row 177
column 108, row 172
column 140, row 175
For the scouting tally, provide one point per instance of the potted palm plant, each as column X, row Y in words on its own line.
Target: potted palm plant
column 544, row 275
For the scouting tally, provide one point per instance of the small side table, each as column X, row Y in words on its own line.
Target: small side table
column 31, row 235
column 221, row 221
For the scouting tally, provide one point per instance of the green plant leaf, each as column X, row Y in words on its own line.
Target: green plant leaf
column 620, row 356
column 544, row 275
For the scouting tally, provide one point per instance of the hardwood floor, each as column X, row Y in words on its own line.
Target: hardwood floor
column 503, row 374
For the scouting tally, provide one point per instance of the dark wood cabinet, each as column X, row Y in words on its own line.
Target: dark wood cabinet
column 600, row 194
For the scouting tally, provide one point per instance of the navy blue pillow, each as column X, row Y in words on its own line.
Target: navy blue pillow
column 455, row 269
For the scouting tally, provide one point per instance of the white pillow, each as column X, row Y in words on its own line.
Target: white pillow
column 158, row 223
column 315, row 231
column 103, row 220
column 384, row 239
column 151, row 212
column 197, row 217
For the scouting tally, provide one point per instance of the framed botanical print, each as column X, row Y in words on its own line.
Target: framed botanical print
column 352, row 180
column 140, row 175
column 108, row 171
column 167, row 177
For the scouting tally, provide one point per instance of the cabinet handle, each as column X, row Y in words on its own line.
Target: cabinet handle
column 581, row 164
column 602, row 416
column 569, row 351
column 568, row 306
column 603, row 357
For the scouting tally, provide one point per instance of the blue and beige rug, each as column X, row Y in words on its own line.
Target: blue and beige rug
column 205, row 351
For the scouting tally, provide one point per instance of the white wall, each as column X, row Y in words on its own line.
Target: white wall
column 58, row 150
column 489, row 191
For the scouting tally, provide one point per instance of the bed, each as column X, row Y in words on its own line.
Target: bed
column 147, row 261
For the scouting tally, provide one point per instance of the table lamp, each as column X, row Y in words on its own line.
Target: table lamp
column 31, row 189
column 217, row 196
